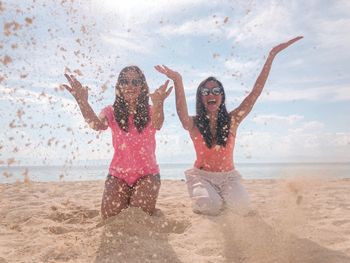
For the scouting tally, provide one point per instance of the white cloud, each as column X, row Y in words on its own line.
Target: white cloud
column 143, row 10
column 341, row 138
column 41, row 99
column 174, row 146
column 203, row 26
column 269, row 25
column 306, row 145
column 36, row 119
column 342, row 6
column 328, row 93
column 264, row 119
column 333, row 34
column 241, row 67
column 313, row 127
column 128, row 42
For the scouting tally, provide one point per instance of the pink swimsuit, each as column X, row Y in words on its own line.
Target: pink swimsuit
column 134, row 152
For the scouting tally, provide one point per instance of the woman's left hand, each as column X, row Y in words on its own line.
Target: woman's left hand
column 160, row 94
column 282, row 46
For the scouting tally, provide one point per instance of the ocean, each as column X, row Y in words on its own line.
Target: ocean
column 10, row 174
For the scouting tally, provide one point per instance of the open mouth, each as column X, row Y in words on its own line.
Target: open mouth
column 212, row 101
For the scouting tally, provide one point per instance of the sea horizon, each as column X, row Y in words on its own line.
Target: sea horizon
column 175, row 163
column 172, row 171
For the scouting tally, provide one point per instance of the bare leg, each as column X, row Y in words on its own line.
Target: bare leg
column 145, row 192
column 115, row 197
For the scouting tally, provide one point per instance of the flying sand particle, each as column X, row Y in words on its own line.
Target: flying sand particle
column 14, row 26
column 6, row 60
column 2, row 8
column 28, row 20
column 10, row 161
column 78, row 72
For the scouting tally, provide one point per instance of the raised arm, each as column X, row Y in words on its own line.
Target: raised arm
column 246, row 106
column 181, row 104
column 80, row 94
column 158, row 97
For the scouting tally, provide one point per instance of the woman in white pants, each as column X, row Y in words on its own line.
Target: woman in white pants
column 213, row 181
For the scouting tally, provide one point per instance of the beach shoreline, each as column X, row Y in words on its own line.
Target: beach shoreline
column 298, row 219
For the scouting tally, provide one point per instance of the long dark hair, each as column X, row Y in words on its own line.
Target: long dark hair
column 121, row 110
column 201, row 119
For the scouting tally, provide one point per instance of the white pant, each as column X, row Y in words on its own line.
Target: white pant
column 210, row 191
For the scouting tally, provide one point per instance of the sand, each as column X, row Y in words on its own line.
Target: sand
column 294, row 220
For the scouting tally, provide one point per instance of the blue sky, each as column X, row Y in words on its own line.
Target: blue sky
column 302, row 115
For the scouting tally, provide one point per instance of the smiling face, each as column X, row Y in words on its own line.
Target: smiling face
column 130, row 85
column 132, row 98
column 211, row 95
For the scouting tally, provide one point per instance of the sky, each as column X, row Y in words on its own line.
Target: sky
column 301, row 116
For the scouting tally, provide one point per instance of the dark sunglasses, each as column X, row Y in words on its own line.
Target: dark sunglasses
column 215, row 91
column 134, row 82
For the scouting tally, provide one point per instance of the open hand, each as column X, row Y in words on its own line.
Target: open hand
column 160, row 94
column 171, row 74
column 79, row 92
column 282, row 46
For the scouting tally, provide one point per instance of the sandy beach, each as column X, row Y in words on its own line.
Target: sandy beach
column 294, row 220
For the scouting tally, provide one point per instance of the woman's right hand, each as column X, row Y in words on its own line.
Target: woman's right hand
column 79, row 92
column 282, row 46
column 171, row 74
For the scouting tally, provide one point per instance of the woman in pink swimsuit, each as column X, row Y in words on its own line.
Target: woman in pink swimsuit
column 133, row 178
column 213, row 181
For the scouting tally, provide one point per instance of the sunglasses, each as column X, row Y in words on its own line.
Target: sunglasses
column 134, row 82
column 215, row 91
